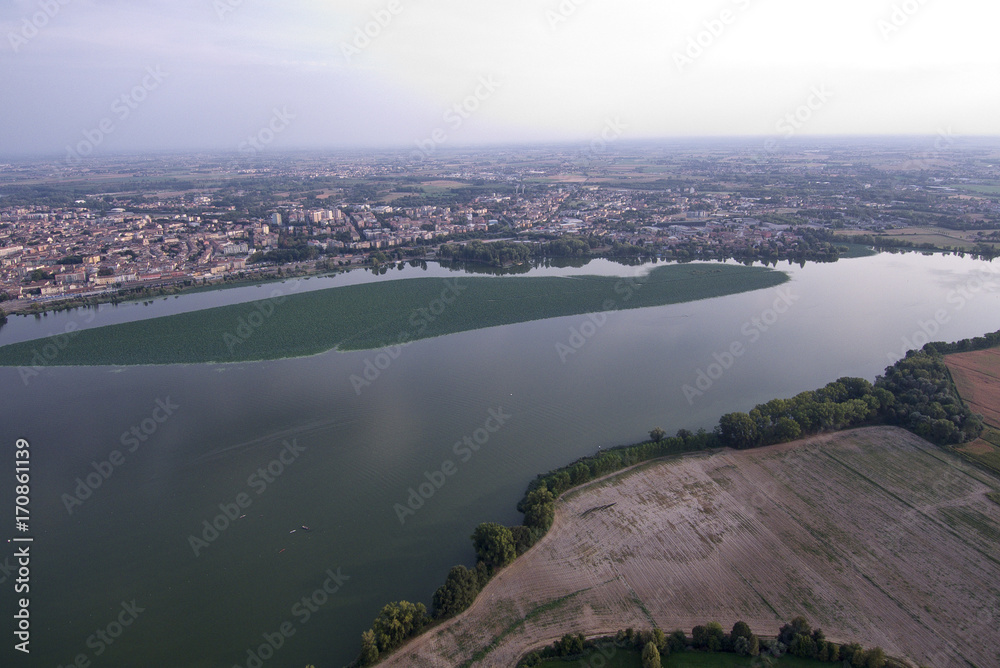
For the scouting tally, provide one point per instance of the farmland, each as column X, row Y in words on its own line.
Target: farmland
column 374, row 315
column 977, row 377
column 874, row 535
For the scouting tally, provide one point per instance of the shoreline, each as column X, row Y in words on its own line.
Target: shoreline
column 638, row 570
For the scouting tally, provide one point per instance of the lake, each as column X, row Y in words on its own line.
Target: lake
column 125, row 572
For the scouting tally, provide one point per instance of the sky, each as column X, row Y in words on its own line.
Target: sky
column 96, row 76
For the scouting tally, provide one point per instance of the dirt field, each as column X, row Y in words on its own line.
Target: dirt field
column 938, row 236
column 875, row 535
column 977, row 376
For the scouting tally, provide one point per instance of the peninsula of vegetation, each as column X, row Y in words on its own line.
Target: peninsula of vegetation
column 860, row 529
column 375, row 315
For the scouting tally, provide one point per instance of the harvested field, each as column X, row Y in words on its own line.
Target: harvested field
column 874, row 535
column 977, row 377
column 984, row 452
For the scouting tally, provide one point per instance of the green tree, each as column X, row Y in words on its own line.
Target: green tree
column 832, row 652
column 657, row 434
column 580, row 473
column 369, row 648
column 650, row 656
column 494, row 545
column 786, row 430
column 875, row 658
column 457, row 593
column 739, row 430
column 539, row 509
column 677, row 641
column 524, row 538
column 741, row 630
column 397, row 622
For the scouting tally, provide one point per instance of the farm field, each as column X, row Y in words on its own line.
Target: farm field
column 874, row 535
column 373, row 315
column 977, row 377
column 937, row 236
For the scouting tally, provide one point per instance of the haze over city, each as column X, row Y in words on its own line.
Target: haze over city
column 388, row 73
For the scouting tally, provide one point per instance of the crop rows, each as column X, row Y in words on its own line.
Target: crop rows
column 874, row 535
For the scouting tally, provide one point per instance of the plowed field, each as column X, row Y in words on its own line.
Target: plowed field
column 874, row 535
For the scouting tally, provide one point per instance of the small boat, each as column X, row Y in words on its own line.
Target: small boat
column 305, row 528
column 292, row 531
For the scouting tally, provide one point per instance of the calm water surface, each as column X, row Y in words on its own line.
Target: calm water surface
column 360, row 449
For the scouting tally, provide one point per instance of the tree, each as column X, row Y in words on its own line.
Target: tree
column 715, row 637
column 657, row 434
column 875, row 658
column 650, row 656
column 397, row 622
column 570, row 645
column 539, row 509
column 741, row 630
column 786, row 430
column 798, row 626
column 457, row 593
column 524, row 538
column 369, row 648
column 677, row 641
column 494, row 545
column 738, row 430
column 580, row 473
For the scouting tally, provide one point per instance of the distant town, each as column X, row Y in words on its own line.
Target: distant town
column 89, row 230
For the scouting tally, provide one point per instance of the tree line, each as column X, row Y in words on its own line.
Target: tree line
column 796, row 638
column 501, row 253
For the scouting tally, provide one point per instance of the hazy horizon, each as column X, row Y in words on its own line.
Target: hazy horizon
column 98, row 77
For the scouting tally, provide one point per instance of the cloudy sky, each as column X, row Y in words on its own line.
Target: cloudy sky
column 125, row 75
